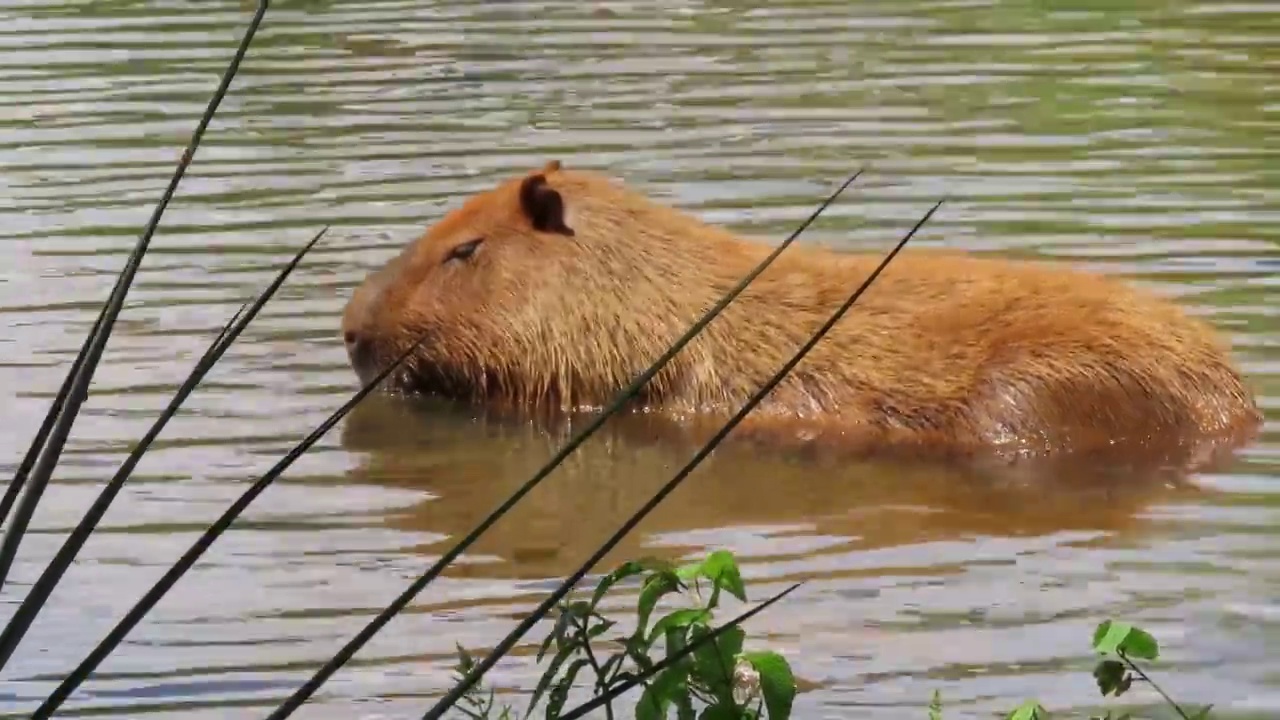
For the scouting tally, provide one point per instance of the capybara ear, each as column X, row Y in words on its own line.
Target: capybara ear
column 543, row 206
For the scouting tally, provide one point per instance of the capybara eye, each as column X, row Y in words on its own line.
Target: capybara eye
column 464, row 251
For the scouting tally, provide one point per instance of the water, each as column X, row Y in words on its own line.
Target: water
column 1130, row 141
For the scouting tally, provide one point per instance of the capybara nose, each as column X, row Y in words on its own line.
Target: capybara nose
column 360, row 353
column 357, row 348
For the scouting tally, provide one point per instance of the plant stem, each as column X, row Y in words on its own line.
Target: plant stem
column 1147, row 679
column 595, row 665
column 726, row 673
column 670, row 660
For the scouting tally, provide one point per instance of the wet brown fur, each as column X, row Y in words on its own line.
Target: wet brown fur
column 580, row 283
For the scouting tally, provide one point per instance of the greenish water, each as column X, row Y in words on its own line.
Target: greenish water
column 1137, row 141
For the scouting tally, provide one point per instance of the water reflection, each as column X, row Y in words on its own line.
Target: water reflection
column 470, row 461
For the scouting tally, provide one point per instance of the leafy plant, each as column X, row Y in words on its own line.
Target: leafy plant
column 702, row 671
column 705, row 671
column 935, row 706
column 475, row 703
column 1120, row 644
column 1115, row 674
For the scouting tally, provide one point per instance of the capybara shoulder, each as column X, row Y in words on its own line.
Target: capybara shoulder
column 556, row 287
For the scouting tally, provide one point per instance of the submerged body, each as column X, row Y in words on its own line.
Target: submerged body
column 557, row 287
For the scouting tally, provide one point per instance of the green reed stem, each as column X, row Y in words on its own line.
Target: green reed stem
column 294, row 701
column 53, row 572
column 198, row 548
column 33, row 452
column 478, row 670
column 35, row 483
column 625, row 685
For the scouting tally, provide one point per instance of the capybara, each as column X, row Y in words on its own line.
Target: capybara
column 555, row 288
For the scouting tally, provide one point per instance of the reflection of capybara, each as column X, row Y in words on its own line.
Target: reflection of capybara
column 555, row 288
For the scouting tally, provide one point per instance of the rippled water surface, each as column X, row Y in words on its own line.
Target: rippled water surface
column 1139, row 142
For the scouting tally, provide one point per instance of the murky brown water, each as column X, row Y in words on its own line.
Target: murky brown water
column 1140, row 142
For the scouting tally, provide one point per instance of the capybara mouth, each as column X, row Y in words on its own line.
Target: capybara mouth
column 368, row 362
column 403, row 380
column 431, row 382
column 419, row 378
column 413, row 376
column 369, row 358
column 475, row 385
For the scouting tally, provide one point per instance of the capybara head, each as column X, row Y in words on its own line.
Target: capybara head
column 553, row 287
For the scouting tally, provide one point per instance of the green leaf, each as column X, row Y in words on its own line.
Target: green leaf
column 577, row 608
column 677, row 619
column 1125, row 683
column 777, row 683
column 626, row 676
column 626, row 570
column 684, row 704
column 935, row 706
column 713, row 661
column 661, row 692
column 1111, row 676
column 1029, row 710
column 655, row 586
column 547, row 677
column 721, row 711
column 689, row 571
column 635, row 649
column 560, row 693
column 721, row 568
column 465, row 663
column 1115, row 637
column 600, row 629
column 675, row 637
column 611, row 667
column 713, row 601
column 555, row 631
column 1140, row 644
column 1099, row 633
column 559, row 631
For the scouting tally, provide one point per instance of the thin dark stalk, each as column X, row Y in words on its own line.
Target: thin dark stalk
column 478, row 670
column 1147, row 678
column 198, row 548
column 294, row 701
column 614, row 692
column 78, row 391
column 33, row 452
column 581, row 627
column 39, row 594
